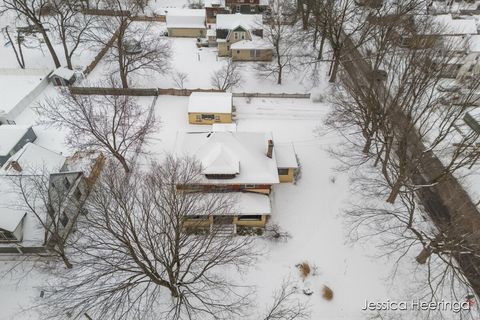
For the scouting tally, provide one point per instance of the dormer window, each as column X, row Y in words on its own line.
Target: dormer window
column 7, row 236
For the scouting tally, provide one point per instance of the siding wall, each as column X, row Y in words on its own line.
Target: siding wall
column 244, row 55
column 224, row 118
column 289, row 177
column 187, row 32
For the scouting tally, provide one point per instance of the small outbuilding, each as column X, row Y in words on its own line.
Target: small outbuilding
column 287, row 163
column 186, row 23
column 62, row 77
column 13, row 138
column 210, row 107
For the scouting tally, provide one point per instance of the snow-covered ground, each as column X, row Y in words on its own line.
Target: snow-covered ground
column 311, row 210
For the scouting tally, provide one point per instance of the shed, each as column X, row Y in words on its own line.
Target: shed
column 62, row 77
column 210, row 107
column 13, row 139
column 186, row 23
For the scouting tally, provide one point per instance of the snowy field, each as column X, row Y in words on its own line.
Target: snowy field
column 311, row 210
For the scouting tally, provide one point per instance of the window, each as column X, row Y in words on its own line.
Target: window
column 64, row 219
column 198, row 118
column 66, row 183
column 78, row 194
column 235, row 35
column 252, row 53
column 208, row 116
column 250, row 218
column 7, row 236
column 243, row 36
column 283, row 171
column 249, row 186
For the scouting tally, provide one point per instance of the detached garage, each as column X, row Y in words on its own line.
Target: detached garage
column 210, row 107
column 186, row 23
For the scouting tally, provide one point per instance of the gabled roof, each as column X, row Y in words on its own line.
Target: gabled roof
column 226, row 150
column 33, row 159
column 231, row 21
column 10, row 135
column 219, row 159
column 215, row 102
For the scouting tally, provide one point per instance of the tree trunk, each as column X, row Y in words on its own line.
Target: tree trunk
column 66, row 261
column 334, row 70
column 395, row 190
column 123, row 162
column 49, row 46
column 423, row 256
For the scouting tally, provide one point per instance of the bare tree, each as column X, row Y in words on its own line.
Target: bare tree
column 70, row 25
column 114, row 124
column 138, row 260
column 180, row 79
column 227, row 77
column 285, row 306
column 18, row 52
column 32, row 11
column 136, row 48
column 284, row 40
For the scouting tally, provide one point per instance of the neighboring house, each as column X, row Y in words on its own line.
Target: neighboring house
column 247, row 6
column 12, row 139
column 21, row 231
column 213, row 8
column 255, row 49
column 472, row 119
column 62, row 77
column 425, row 31
column 243, row 164
column 23, row 86
column 210, row 107
column 186, row 23
column 233, row 28
column 374, row 4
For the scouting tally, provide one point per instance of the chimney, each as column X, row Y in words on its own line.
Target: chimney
column 270, row 149
column 16, row 166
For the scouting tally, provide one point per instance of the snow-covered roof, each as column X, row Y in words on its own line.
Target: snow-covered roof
column 10, row 214
column 222, row 127
column 231, row 21
column 474, row 43
column 214, row 3
column 286, row 157
column 211, row 32
column 446, row 25
column 248, row 203
column 228, row 152
column 19, row 83
column 64, row 73
column 215, row 102
column 33, row 159
column 256, row 43
column 185, row 18
column 10, row 135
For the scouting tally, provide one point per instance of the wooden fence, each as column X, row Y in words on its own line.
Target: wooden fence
column 176, row 92
column 271, row 95
column 101, row 54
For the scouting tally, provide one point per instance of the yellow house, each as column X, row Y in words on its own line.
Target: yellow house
column 255, row 49
column 186, row 23
column 210, row 107
column 232, row 28
column 287, row 163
